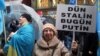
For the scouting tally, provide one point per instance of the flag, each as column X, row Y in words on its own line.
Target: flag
column 2, row 7
column 98, row 31
column 2, row 4
column 98, row 26
column 73, row 2
column 1, row 22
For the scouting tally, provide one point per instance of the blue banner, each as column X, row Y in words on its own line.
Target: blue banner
column 73, row 2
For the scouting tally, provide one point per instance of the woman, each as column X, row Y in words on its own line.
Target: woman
column 22, row 41
column 49, row 45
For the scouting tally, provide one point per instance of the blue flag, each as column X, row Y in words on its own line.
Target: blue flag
column 98, row 31
column 2, row 4
column 1, row 21
column 2, row 7
column 98, row 26
column 73, row 2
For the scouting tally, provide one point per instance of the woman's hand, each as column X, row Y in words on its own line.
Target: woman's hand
column 1, row 51
column 74, row 45
column 11, row 34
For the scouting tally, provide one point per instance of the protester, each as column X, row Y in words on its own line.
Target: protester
column 49, row 44
column 21, row 42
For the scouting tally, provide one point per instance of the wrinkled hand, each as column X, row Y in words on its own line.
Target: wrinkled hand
column 1, row 51
column 74, row 45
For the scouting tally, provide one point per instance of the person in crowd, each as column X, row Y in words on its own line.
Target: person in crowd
column 22, row 41
column 49, row 44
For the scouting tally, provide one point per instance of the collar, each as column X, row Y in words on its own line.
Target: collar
column 42, row 43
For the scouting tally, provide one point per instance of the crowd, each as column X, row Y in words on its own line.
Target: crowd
column 21, row 41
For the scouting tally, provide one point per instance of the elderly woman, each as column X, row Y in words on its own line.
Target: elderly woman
column 49, row 45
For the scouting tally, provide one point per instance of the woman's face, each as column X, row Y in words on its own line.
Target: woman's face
column 22, row 20
column 48, row 34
